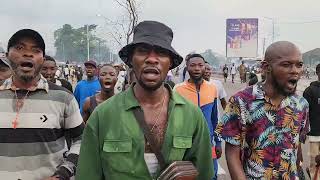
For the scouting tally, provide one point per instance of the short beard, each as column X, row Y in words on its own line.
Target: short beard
column 197, row 80
column 279, row 88
column 149, row 88
column 22, row 77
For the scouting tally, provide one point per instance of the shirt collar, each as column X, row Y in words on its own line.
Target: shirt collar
column 257, row 91
column 259, row 94
column 93, row 79
column 130, row 100
column 42, row 84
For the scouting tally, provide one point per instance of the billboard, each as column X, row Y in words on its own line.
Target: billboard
column 242, row 37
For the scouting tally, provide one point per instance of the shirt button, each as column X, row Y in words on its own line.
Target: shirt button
column 117, row 149
column 133, row 172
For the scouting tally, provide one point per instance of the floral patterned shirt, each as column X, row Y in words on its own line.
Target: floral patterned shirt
column 269, row 136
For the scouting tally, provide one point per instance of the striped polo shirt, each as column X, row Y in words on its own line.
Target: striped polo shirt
column 37, row 146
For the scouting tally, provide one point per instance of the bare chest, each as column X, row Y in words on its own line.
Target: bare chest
column 157, row 123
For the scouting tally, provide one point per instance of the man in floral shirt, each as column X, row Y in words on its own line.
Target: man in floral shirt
column 265, row 124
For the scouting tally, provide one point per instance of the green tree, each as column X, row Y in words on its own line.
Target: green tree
column 71, row 44
column 213, row 58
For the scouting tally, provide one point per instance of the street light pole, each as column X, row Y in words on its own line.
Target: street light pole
column 273, row 27
column 64, row 55
column 272, row 30
column 88, row 45
column 110, row 52
column 264, row 45
column 99, row 51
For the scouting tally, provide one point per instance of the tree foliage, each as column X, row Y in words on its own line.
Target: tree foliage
column 71, row 44
column 213, row 58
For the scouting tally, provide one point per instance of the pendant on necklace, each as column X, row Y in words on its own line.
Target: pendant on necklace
column 19, row 104
column 14, row 123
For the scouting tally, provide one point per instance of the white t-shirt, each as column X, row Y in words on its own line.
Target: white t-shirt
column 119, row 84
column 187, row 77
column 66, row 71
column 58, row 73
column 152, row 163
column 314, row 138
column 221, row 92
column 233, row 70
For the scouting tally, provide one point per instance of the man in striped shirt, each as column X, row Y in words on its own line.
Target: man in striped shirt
column 35, row 116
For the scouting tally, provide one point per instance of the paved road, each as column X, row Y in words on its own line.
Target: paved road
column 231, row 88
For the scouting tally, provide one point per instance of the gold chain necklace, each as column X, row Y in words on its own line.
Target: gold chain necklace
column 158, row 116
column 19, row 105
column 159, row 113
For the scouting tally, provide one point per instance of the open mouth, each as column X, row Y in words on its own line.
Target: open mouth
column 151, row 74
column 48, row 76
column 197, row 74
column 108, row 83
column 26, row 66
column 151, row 71
column 293, row 83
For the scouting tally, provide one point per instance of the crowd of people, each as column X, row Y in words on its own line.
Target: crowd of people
column 154, row 127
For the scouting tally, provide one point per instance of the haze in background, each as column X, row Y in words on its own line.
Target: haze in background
column 197, row 24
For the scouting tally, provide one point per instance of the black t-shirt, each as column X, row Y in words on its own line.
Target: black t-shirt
column 312, row 95
column 64, row 83
column 225, row 70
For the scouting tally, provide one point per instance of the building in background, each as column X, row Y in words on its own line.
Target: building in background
column 311, row 58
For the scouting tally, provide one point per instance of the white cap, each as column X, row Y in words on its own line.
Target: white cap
column 5, row 60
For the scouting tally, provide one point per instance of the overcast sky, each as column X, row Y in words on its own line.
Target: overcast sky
column 197, row 24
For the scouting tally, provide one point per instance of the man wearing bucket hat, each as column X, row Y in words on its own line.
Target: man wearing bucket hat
column 115, row 147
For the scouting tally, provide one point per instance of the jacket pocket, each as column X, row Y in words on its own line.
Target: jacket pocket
column 118, row 155
column 182, row 142
column 179, row 146
column 120, row 146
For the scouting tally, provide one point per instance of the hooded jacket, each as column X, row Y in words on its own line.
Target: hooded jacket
column 312, row 94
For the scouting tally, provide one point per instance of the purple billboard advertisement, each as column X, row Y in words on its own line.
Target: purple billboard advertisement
column 242, row 37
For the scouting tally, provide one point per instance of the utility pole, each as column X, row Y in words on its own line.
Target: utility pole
column 272, row 30
column 273, row 27
column 112, row 57
column 64, row 55
column 264, row 46
column 88, row 45
column 99, row 51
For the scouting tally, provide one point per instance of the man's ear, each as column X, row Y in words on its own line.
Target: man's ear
column 266, row 66
column 43, row 59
